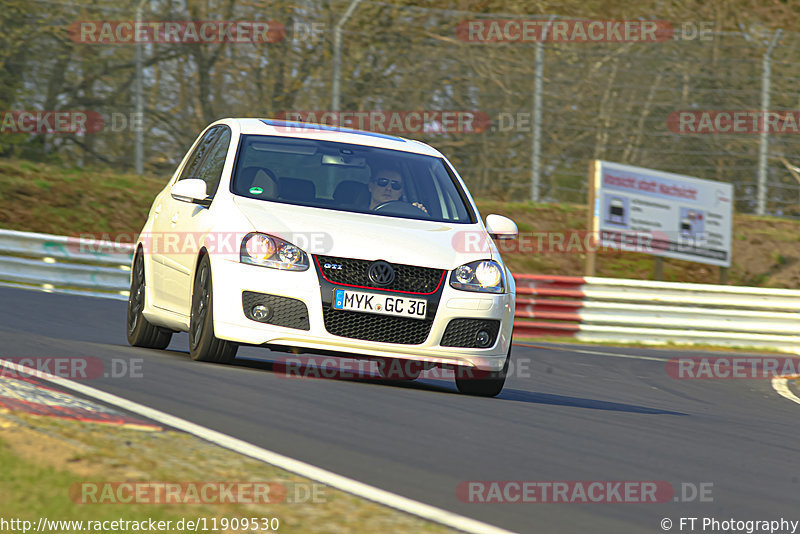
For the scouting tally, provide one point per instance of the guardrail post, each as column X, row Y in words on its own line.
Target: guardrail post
column 138, row 89
column 536, row 134
column 337, row 55
column 658, row 271
column 591, row 225
column 763, row 146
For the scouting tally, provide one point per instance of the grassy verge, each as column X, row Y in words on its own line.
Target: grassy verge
column 42, row 458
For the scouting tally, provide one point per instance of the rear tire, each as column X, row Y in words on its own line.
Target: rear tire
column 203, row 344
column 141, row 333
column 488, row 385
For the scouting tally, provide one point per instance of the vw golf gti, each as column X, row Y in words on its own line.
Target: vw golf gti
column 302, row 237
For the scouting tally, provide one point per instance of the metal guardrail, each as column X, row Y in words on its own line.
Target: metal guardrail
column 65, row 264
column 65, row 248
column 642, row 311
column 583, row 308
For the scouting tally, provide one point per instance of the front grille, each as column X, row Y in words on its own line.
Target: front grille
column 288, row 312
column 380, row 328
column 462, row 332
column 355, row 273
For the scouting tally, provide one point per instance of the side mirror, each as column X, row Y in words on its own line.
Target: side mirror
column 500, row 227
column 191, row 190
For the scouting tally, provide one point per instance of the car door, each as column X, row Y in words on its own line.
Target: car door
column 193, row 221
column 168, row 239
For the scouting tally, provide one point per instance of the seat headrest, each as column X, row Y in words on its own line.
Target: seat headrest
column 351, row 192
column 297, row 189
column 259, row 177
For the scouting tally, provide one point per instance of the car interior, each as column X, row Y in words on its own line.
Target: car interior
column 315, row 174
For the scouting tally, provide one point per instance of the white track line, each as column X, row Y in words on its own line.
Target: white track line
column 594, row 352
column 318, row 474
column 781, row 387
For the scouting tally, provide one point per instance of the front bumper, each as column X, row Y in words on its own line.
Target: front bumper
column 231, row 279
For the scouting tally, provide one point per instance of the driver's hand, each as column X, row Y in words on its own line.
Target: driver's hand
column 420, row 206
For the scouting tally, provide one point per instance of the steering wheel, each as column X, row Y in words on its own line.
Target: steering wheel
column 400, row 207
column 382, row 205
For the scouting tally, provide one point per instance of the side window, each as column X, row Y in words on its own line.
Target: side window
column 192, row 167
column 211, row 169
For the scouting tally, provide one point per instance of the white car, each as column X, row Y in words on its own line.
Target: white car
column 306, row 238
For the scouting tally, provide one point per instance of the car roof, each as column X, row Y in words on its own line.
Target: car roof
column 302, row 130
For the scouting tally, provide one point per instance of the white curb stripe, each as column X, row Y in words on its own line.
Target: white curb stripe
column 781, row 387
column 318, row 474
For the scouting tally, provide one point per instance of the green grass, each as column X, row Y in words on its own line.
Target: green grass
column 44, row 459
column 42, row 197
column 28, row 166
column 42, row 184
column 30, row 490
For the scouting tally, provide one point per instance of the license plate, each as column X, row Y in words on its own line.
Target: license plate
column 379, row 304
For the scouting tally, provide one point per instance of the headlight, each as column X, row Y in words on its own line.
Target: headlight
column 273, row 252
column 483, row 276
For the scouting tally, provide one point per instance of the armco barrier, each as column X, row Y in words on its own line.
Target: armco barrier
column 65, row 264
column 583, row 308
column 621, row 310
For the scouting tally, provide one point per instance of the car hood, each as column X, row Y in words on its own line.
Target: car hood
column 370, row 237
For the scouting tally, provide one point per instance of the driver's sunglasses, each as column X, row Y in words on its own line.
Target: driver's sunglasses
column 383, row 182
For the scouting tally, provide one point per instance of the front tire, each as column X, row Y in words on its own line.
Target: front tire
column 141, row 333
column 488, row 385
column 203, row 344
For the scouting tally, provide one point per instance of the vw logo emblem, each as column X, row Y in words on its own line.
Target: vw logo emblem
column 381, row 273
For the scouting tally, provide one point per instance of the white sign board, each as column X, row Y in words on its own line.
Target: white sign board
column 661, row 213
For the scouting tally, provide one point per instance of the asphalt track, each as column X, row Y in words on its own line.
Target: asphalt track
column 578, row 416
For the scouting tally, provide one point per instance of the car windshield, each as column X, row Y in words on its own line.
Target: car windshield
column 347, row 177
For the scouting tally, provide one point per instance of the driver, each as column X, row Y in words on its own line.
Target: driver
column 386, row 185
